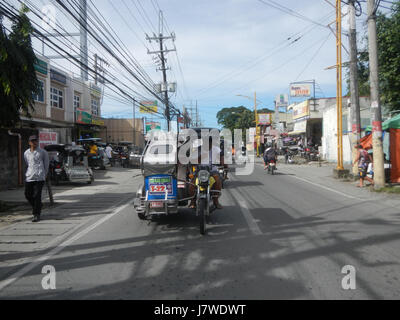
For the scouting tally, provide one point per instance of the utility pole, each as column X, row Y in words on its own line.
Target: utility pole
column 84, row 40
column 161, row 54
column 376, row 114
column 134, row 123
column 339, row 86
column 197, row 116
column 354, row 93
column 257, row 132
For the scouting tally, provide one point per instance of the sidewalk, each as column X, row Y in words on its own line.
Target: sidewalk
column 64, row 193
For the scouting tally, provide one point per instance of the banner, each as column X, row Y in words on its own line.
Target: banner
column 148, row 107
column 300, row 90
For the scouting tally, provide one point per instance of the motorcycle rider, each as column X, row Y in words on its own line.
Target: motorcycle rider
column 269, row 155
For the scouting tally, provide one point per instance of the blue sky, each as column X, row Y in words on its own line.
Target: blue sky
column 225, row 48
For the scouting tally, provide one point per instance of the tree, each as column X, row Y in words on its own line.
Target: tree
column 388, row 32
column 18, row 79
column 236, row 118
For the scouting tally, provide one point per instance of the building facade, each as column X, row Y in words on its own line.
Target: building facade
column 118, row 130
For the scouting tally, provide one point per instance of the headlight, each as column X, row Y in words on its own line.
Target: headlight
column 204, row 176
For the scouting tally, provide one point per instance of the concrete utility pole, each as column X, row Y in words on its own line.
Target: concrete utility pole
column 134, row 123
column 339, row 86
column 354, row 93
column 84, row 41
column 161, row 54
column 376, row 114
column 197, row 115
column 256, row 116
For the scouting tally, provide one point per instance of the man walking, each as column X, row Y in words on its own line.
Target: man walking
column 37, row 161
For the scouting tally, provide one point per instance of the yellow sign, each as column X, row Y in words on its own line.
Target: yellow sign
column 148, row 107
column 97, row 122
column 301, row 110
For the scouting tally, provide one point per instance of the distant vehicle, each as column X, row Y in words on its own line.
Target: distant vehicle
column 69, row 163
column 135, row 156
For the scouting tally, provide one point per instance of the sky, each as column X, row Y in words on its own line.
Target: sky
column 225, row 48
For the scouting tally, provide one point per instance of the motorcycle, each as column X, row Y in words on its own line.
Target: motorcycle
column 271, row 166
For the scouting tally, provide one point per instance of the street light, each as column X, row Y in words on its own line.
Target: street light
column 255, row 113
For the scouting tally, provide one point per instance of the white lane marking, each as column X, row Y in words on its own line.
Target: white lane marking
column 327, row 188
column 253, row 226
column 60, row 247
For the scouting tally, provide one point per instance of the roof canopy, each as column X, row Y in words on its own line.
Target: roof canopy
column 392, row 123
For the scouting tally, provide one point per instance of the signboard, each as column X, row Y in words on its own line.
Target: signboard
column 58, row 77
column 41, row 66
column 264, row 118
column 83, row 117
column 46, row 138
column 301, row 111
column 148, row 107
column 300, row 90
column 153, row 126
column 97, row 121
column 281, row 100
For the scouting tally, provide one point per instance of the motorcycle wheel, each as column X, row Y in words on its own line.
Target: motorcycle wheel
column 202, row 216
column 272, row 170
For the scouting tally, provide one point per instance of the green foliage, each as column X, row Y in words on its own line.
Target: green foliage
column 388, row 32
column 236, row 118
column 17, row 73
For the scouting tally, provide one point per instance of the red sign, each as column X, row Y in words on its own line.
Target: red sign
column 46, row 138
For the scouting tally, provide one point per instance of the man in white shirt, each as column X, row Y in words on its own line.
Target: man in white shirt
column 37, row 161
column 109, row 153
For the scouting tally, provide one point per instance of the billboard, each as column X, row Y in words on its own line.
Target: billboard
column 148, row 107
column 300, row 90
column 264, row 118
column 83, row 117
column 46, row 138
column 281, row 100
column 151, row 125
column 301, row 111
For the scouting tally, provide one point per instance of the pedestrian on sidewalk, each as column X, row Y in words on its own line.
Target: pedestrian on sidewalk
column 363, row 159
column 37, row 161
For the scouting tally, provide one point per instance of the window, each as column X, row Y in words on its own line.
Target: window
column 39, row 97
column 56, row 98
column 77, row 102
column 95, row 106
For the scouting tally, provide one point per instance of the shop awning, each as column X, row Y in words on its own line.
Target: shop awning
column 392, row 123
column 299, row 128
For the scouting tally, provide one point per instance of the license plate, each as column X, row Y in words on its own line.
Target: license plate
column 58, row 170
column 158, row 188
column 156, row 204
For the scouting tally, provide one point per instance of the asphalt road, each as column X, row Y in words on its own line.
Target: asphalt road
column 286, row 236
